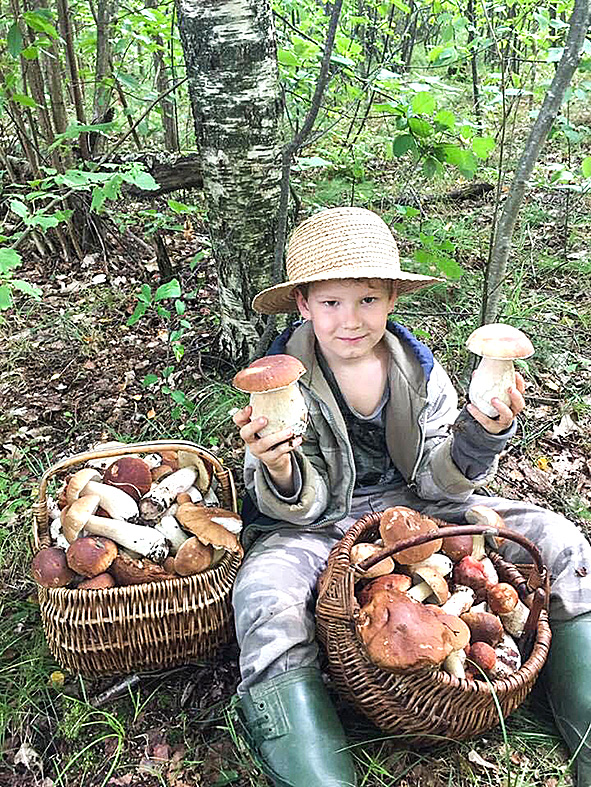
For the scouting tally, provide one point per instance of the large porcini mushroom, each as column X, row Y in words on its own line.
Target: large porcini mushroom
column 204, row 469
column 484, row 627
column 457, row 547
column 401, row 635
column 193, row 557
column 503, row 600
column 274, row 393
column 80, row 516
column 130, row 474
column 50, row 568
column 133, row 571
column 471, row 572
column 100, row 582
column 454, row 662
column 499, row 345
column 400, row 582
column 400, row 523
column 201, row 521
column 488, row 517
column 460, row 601
column 161, row 496
column 438, row 562
column 91, row 555
column 114, row 501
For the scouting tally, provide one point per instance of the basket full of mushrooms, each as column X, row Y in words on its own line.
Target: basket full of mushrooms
column 428, row 631
column 136, row 551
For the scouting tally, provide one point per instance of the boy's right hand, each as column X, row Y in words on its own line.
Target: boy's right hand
column 273, row 450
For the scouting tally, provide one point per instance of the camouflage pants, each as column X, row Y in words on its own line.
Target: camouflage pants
column 274, row 592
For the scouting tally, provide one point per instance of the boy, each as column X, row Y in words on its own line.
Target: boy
column 378, row 435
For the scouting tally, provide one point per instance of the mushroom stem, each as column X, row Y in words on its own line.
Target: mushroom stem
column 172, row 532
column 492, row 378
column 283, row 408
column 145, row 540
column 460, row 601
column 163, row 494
column 115, row 501
column 454, row 663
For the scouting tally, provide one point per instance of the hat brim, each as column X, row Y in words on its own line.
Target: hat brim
column 280, row 299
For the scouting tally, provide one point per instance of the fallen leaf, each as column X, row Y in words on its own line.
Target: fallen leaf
column 28, row 757
column 565, row 427
column 476, row 759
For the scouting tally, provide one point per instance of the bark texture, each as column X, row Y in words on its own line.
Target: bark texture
column 230, row 54
column 497, row 265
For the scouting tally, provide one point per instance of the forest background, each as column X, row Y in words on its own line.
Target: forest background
column 153, row 158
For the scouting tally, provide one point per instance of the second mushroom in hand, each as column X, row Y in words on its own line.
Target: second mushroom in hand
column 499, row 345
column 272, row 383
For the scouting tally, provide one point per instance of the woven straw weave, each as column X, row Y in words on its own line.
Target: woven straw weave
column 339, row 243
column 422, row 706
column 135, row 628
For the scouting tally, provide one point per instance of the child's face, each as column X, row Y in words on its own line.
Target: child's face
column 349, row 317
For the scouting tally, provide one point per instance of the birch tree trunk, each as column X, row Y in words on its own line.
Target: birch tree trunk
column 499, row 254
column 230, row 54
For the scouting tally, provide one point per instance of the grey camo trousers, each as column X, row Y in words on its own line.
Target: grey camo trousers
column 274, row 592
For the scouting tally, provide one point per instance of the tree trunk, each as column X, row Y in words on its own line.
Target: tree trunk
column 499, row 254
column 169, row 124
column 230, row 54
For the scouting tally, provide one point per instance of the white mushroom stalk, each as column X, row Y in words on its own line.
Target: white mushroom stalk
column 171, row 530
column 460, row 601
column 115, row 501
column 454, row 663
column 499, row 345
column 163, row 494
column 438, row 562
column 138, row 538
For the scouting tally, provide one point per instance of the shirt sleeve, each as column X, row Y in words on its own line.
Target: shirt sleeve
column 473, row 448
column 297, row 483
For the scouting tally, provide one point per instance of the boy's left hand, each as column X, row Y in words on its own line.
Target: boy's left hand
column 506, row 414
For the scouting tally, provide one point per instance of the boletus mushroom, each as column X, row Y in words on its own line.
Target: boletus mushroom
column 499, row 345
column 274, row 393
column 400, row 523
column 50, row 568
column 91, row 555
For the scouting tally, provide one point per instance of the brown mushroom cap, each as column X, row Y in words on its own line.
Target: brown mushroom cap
column 483, row 655
column 50, row 568
column 100, row 582
column 193, row 557
column 269, row 374
column 399, row 523
column 91, row 555
column 130, row 474
column 436, row 582
column 203, row 468
column 500, row 341
column 199, row 520
column 484, row 627
column 470, row 572
column 131, row 571
column 399, row 582
column 362, row 551
column 502, row 598
column 401, row 635
column 459, row 631
column 457, row 547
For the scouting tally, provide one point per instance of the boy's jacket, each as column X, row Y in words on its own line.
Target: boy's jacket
column 421, row 408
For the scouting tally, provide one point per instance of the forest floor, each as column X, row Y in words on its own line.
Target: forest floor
column 71, row 375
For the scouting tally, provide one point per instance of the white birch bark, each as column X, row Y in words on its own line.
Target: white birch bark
column 230, row 54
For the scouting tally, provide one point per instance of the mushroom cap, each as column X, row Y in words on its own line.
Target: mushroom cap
column 78, row 481
column 130, row 474
column 459, row 631
column 399, row 582
column 470, row 572
column 484, row 627
column 401, row 635
column 100, row 582
column 200, row 520
column 502, row 598
column 193, row 557
column 457, row 547
column 75, row 517
column 269, row 374
column 50, row 568
column 487, row 516
column 436, row 582
column 91, row 555
column 128, row 570
column 363, row 550
column 500, row 341
column 399, row 523
column 483, row 655
column 204, row 469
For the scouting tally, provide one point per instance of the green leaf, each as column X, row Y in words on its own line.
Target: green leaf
column 142, row 180
column 30, row 53
column 98, row 199
column 402, row 144
column 14, row 40
column 5, row 297
column 138, row 313
column 180, row 307
column 445, row 118
column 420, row 127
column 423, row 103
column 401, row 6
column 9, row 259
column 449, row 267
column 554, row 54
column 586, row 167
column 431, row 167
column 40, row 220
column 286, row 57
column 150, row 379
column 482, row 146
column 145, row 294
column 25, row 101
column 37, row 20
column 171, row 289
column 341, row 60
column 178, row 207
column 28, row 289
column 18, row 207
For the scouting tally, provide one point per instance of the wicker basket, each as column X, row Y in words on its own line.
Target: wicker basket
column 150, row 626
column 423, row 706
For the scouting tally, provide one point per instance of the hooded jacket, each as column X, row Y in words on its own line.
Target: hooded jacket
column 419, row 414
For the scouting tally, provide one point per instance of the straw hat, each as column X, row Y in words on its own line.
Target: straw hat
column 339, row 243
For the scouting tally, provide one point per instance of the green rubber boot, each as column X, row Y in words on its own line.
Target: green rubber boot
column 567, row 678
column 292, row 729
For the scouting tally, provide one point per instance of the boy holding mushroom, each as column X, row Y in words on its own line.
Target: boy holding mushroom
column 380, row 409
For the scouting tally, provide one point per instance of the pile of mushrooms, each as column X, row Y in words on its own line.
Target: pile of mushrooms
column 136, row 518
column 439, row 605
